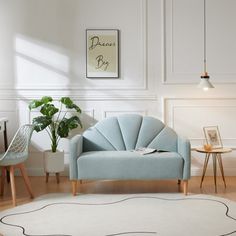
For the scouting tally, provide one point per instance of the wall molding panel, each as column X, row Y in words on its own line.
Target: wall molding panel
column 181, row 35
column 188, row 116
column 69, row 80
column 109, row 113
column 87, row 97
column 22, row 95
column 169, row 73
column 207, row 111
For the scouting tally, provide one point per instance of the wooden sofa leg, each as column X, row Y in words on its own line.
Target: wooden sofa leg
column 74, row 187
column 185, row 186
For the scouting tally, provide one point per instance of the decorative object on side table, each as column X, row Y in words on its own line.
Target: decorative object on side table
column 212, row 136
column 213, row 147
column 57, row 125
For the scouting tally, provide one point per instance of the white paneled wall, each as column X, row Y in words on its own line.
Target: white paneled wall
column 161, row 59
column 188, row 116
column 42, row 64
column 183, row 43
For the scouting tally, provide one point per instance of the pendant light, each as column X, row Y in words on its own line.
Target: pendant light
column 205, row 84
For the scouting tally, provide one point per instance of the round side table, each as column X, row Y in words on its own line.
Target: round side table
column 216, row 154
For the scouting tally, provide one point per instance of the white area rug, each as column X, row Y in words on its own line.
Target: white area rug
column 130, row 214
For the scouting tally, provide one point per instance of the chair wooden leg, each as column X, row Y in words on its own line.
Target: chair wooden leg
column 74, row 187
column 13, row 187
column 26, row 179
column 3, row 171
column 185, row 186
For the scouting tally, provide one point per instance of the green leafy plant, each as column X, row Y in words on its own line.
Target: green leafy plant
column 53, row 120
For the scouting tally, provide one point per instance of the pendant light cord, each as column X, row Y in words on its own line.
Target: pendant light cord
column 205, row 84
column 204, row 17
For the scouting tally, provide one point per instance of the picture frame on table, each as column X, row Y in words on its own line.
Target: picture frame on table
column 212, row 136
column 102, row 53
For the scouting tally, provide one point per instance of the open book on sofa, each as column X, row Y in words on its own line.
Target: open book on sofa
column 144, row 150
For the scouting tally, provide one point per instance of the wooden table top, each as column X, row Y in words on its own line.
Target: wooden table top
column 215, row 150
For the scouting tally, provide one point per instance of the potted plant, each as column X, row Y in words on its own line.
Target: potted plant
column 57, row 125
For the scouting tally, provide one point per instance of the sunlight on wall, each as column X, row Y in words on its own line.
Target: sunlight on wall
column 38, row 52
column 39, row 64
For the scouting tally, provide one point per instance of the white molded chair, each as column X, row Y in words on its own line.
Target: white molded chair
column 14, row 157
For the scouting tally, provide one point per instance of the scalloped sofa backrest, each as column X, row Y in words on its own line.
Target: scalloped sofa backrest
column 127, row 132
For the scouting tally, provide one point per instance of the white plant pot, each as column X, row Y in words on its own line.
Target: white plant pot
column 53, row 161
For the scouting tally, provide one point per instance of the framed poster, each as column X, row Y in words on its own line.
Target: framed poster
column 212, row 135
column 102, row 53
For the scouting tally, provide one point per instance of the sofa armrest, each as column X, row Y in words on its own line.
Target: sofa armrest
column 76, row 148
column 184, row 149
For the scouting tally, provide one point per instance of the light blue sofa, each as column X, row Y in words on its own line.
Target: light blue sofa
column 104, row 151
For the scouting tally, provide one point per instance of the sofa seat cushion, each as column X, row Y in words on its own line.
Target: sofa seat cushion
column 129, row 165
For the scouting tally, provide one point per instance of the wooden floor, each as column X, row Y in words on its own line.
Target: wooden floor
column 111, row 187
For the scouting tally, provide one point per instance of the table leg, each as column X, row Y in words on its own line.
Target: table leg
column 5, row 136
column 6, row 146
column 47, row 176
column 214, row 169
column 221, row 167
column 58, row 177
column 205, row 167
